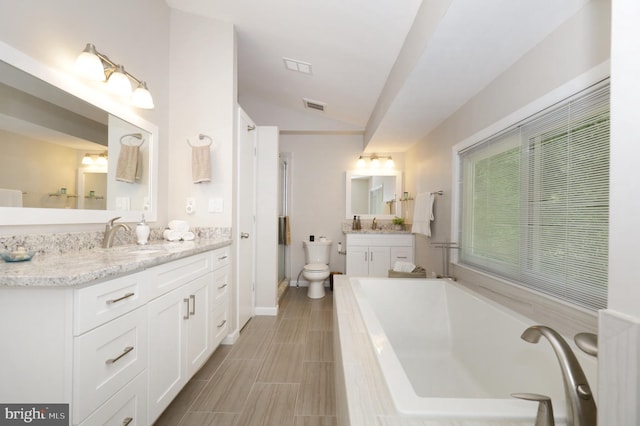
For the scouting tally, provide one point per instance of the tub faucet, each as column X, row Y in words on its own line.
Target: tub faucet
column 581, row 407
column 110, row 230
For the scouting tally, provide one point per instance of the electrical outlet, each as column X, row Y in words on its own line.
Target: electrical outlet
column 190, row 208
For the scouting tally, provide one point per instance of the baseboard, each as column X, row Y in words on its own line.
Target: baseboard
column 271, row 311
column 231, row 338
column 292, row 283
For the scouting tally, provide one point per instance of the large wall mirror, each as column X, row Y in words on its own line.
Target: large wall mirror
column 373, row 194
column 65, row 158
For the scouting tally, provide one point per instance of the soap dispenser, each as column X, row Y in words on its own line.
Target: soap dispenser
column 142, row 232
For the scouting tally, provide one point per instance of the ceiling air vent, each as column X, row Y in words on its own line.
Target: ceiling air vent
column 311, row 104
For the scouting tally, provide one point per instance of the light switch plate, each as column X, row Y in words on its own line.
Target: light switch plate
column 216, row 205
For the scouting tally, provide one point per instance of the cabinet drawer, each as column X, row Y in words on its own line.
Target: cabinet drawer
column 99, row 303
column 221, row 285
column 126, row 407
column 220, row 324
column 387, row 240
column 221, row 257
column 172, row 275
column 401, row 254
column 107, row 358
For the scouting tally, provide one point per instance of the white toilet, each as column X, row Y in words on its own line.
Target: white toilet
column 316, row 269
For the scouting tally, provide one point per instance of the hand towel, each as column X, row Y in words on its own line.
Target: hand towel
column 128, row 162
column 171, row 235
column 404, row 266
column 287, row 231
column 423, row 214
column 201, row 164
column 10, row 198
column 188, row 236
column 179, row 225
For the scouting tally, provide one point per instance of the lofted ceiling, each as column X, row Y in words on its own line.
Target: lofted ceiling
column 390, row 69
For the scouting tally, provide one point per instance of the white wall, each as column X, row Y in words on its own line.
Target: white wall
column 578, row 45
column 54, row 33
column 203, row 97
column 318, row 167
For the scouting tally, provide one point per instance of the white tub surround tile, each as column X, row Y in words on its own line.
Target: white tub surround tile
column 619, row 375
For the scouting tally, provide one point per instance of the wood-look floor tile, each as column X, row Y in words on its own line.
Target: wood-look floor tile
column 292, row 330
column 210, row 367
column 317, row 390
column 229, row 387
column 325, row 303
column 262, row 322
column 179, row 406
column 283, row 363
column 321, row 320
column 315, row 421
column 252, row 344
column 270, row 404
column 209, row 419
column 296, row 309
column 319, row 346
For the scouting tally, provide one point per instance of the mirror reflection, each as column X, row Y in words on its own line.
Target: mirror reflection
column 60, row 152
column 373, row 194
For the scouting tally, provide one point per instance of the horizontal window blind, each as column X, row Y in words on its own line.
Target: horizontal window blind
column 535, row 201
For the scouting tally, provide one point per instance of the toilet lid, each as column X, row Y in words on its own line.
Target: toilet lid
column 316, row 267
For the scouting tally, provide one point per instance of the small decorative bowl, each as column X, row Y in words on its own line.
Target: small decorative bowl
column 17, row 256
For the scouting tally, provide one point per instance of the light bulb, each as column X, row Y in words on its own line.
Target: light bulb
column 360, row 164
column 89, row 64
column 87, row 160
column 141, row 97
column 119, row 82
column 101, row 160
column 389, row 163
column 375, row 162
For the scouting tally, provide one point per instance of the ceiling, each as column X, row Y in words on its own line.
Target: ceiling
column 389, row 69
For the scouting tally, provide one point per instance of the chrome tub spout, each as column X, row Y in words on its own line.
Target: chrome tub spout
column 581, row 407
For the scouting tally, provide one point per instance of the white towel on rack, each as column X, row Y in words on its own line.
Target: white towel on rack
column 423, row 214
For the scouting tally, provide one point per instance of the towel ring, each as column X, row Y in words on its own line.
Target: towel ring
column 133, row 135
column 201, row 136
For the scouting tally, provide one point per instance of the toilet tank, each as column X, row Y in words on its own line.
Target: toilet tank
column 317, row 251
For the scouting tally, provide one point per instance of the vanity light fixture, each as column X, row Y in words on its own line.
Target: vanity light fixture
column 375, row 161
column 100, row 159
column 98, row 67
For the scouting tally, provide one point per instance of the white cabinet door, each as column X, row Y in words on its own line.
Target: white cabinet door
column 358, row 261
column 167, row 329
column 179, row 340
column 198, row 346
column 379, row 261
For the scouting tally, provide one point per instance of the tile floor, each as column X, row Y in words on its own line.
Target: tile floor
column 279, row 372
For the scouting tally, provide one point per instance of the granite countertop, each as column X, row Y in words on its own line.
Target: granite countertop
column 82, row 267
column 376, row 231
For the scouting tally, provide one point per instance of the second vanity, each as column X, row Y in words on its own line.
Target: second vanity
column 371, row 253
column 114, row 333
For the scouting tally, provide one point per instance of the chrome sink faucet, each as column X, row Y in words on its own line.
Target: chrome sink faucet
column 111, row 229
column 581, row 407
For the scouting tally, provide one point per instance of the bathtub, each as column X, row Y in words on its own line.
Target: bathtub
column 446, row 354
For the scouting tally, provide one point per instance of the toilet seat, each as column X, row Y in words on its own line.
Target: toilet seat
column 316, row 267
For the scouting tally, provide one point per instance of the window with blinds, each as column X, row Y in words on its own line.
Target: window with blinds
column 535, row 201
